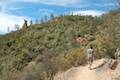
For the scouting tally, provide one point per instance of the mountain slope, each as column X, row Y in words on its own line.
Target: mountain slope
column 54, row 37
column 57, row 45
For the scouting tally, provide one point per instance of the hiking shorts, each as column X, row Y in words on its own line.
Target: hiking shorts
column 90, row 59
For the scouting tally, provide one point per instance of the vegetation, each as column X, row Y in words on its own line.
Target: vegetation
column 39, row 51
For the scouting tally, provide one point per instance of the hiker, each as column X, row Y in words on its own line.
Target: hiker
column 90, row 57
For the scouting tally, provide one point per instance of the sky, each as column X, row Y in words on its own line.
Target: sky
column 15, row 11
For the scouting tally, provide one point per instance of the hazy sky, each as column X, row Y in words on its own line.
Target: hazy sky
column 15, row 11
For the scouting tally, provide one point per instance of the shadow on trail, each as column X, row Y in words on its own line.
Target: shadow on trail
column 101, row 65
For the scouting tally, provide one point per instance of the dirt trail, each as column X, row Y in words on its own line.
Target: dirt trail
column 81, row 73
column 87, row 74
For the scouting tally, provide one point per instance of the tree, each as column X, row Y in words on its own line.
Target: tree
column 52, row 16
column 8, row 29
column 31, row 23
column 42, row 21
column 25, row 25
column 17, row 27
column 45, row 18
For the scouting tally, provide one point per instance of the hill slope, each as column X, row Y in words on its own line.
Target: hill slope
column 57, row 45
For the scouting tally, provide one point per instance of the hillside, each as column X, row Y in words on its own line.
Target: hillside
column 57, row 45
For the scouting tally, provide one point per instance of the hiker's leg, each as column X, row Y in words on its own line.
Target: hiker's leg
column 89, row 63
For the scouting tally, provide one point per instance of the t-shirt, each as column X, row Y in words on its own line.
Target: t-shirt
column 90, row 52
